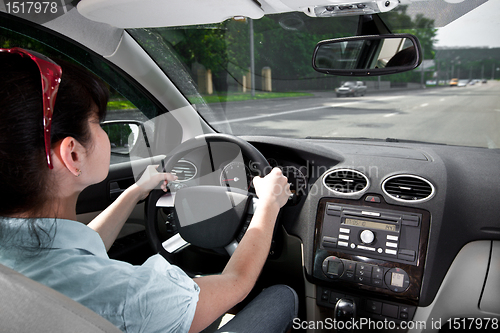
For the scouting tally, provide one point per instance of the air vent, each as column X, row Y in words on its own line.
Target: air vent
column 184, row 170
column 408, row 188
column 346, row 181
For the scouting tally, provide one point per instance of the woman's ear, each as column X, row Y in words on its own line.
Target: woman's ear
column 71, row 153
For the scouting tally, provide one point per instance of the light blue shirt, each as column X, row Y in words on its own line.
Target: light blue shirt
column 153, row 297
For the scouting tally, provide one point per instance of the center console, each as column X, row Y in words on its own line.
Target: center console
column 369, row 246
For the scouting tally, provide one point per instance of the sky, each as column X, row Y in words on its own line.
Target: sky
column 478, row 28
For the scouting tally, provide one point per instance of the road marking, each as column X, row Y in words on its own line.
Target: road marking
column 281, row 113
column 390, row 114
column 387, row 98
column 268, row 115
column 324, row 106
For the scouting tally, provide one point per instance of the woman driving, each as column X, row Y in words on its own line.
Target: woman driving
column 51, row 148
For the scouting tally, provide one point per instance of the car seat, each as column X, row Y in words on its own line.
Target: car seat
column 28, row 306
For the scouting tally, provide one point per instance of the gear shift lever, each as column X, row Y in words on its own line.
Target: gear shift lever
column 345, row 311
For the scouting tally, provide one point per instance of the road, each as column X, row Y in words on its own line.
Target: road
column 459, row 116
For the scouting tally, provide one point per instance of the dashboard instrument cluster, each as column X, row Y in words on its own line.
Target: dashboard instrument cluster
column 237, row 174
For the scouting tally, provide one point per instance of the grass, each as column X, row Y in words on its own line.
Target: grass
column 119, row 104
column 122, row 104
column 238, row 97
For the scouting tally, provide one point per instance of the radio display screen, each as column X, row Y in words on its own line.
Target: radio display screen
column 369, row 224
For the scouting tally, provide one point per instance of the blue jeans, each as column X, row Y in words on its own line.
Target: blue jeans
column 271, row 311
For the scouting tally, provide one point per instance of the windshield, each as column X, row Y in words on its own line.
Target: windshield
column 254, row 77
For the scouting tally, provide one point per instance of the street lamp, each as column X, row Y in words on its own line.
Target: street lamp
column 252, row 59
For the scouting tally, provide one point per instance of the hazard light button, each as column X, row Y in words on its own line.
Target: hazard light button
column 372, row 198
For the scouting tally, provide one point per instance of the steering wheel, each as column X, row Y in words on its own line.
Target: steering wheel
column 209, row 217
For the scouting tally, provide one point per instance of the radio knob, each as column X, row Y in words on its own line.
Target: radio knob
column 367, row 236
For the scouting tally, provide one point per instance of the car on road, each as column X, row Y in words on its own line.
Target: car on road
column 351, row 88
column 395, row 206
column 462, row 83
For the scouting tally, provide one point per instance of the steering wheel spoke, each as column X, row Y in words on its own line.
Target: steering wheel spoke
column 175, row 244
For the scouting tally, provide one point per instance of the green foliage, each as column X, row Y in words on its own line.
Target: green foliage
column 120, row 104
column 283, row 42
column 422, row 27
column 118, row 134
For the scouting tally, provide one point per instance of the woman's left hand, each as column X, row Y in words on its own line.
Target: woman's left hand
column 151, row 178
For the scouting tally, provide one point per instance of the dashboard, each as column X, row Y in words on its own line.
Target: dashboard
column 383, row 223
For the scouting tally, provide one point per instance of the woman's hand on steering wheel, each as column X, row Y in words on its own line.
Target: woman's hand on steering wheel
column 273, row 188
column 151, row 178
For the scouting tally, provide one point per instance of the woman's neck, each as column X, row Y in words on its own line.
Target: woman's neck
column 61, row 208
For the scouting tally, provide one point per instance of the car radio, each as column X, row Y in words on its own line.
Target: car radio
column 372, row 232
column 372, row 245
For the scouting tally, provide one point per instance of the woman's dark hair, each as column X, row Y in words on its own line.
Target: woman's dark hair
column 24, row 174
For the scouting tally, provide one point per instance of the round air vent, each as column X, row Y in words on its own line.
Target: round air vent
column 408, row 188
column 346, row 181
column 184, row 170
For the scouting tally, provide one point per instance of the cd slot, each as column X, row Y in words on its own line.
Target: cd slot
column 366, row 213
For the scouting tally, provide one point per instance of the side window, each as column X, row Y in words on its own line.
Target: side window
column 125, row 117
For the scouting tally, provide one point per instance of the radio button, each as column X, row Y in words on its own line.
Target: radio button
column 340, row 243
column 393, row 245
column 345, row 230
column 377, row 283
column 367, row 248
column 367, row 236
column 346, row 237
column 392, row 238
column 389, row 251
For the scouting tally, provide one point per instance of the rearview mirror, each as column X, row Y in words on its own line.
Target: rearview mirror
column 367, row 55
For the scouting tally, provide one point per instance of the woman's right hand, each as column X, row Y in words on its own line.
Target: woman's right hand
column 273, row 188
